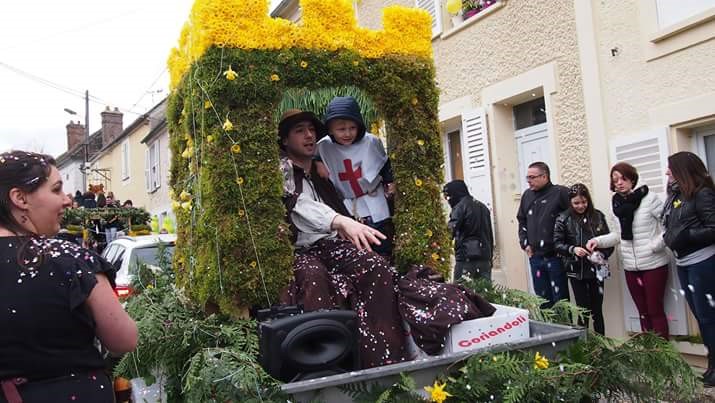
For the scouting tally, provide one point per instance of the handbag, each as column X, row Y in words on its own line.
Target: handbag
column 475, row 249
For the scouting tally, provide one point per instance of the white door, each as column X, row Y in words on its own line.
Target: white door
column 532, row 145
column 705, row 138
column 648, row 153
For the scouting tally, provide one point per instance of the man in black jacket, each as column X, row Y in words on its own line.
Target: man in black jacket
column 539, row 207
column 471, row 226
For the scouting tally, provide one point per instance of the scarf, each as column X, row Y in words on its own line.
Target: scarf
column 624, row 207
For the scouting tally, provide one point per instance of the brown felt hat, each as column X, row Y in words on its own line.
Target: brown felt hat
column 292, row 117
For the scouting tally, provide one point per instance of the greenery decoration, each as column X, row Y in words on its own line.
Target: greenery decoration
column 233, row 245
column 317, row 101
column 203, row 358
column 83, row 217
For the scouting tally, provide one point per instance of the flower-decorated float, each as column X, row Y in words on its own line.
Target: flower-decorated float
column 230, row 75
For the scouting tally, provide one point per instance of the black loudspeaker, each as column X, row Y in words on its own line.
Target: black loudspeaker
column 309, row 345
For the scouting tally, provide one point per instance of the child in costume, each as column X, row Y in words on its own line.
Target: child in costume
column 358, row 167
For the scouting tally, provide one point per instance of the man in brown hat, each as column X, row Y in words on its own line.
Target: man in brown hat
column 334, row 264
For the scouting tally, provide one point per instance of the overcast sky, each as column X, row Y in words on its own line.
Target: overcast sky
column 52, row 51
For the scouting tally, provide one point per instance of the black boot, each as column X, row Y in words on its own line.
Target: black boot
column 706, row 373
column 709, row 378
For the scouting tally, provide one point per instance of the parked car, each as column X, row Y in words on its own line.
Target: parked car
column 126, row 253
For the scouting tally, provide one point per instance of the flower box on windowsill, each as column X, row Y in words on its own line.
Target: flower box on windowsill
column 458, row 25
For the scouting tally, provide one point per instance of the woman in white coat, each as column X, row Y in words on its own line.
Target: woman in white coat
column 645, row 260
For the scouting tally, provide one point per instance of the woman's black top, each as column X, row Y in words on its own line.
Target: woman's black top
column 46, row 327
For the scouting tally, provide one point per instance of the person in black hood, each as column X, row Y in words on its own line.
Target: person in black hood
column 539, row 207
column 471, row 226
column 358, row 167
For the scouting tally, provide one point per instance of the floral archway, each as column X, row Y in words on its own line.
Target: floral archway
column 228, row 76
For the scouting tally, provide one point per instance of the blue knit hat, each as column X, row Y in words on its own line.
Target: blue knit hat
column 345, row 108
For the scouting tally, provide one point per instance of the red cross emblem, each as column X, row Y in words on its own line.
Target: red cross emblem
column 352, row 177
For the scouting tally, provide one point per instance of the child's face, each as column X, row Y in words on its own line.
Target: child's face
column 343, row 130
column 579, row 204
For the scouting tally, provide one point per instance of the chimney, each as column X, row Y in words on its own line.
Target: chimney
column 111, row 125
column 75, row 134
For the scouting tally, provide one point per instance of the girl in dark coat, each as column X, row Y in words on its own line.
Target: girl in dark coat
column 573, row 229
column 689, row 220
column 471, row 226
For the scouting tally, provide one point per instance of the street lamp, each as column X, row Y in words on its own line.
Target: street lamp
column 83, row 168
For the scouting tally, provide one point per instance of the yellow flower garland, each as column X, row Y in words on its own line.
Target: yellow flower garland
column 325, row 24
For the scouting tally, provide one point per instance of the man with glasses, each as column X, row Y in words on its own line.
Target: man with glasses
column 539, row 207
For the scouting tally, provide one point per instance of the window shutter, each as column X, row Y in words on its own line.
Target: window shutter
column 475, row 156
column 648, row 153
column 157, row 165
column 147, row 169
column 434, row 8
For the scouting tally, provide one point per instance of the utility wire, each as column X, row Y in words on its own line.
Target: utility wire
column 65, row 89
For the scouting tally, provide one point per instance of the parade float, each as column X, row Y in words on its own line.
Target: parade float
column 230, row 74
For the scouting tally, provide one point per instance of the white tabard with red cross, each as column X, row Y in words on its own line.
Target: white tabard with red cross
column 355, row 172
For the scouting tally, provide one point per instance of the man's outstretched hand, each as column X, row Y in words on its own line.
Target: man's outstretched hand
column 359, row 234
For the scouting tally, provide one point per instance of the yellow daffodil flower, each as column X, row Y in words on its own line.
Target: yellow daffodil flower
column 454, row 6
column 208, row 104
column 418, row 182
column 185, row 196
column 230, row 74
column 414, row 101
column 186, row 205
column 435, row 257
column 209, row 138
column 236, row 148
column 540, row 361
column 227, row 125
column 175, row 205
column 428, row 233
column 303, row 64
column 355, row 63
column 150, row 286
column 437, row 392
column 420, row 142
column 186, row 154
column 275, row 77
column 241, row 213
column 239, row 180
column 253, row 264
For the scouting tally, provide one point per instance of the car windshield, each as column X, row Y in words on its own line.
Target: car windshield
column 149, row 255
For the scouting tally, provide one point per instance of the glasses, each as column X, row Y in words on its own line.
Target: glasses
column 532, row 177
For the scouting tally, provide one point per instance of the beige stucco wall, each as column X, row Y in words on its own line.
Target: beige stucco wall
column 637, row 90
column 133, row 188
column 509, row 42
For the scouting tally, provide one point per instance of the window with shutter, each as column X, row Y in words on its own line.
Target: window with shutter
column 155, row 176
column 475, row 156
column 125, row 161
column 147, row 169
column 434, row 8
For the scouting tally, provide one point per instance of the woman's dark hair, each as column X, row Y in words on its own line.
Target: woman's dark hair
column 127, row 203
column 26, row 171
column 627, row 171
column 690, row 173
column 579, row 189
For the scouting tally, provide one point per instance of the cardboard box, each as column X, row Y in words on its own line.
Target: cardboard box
column 507, row 325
